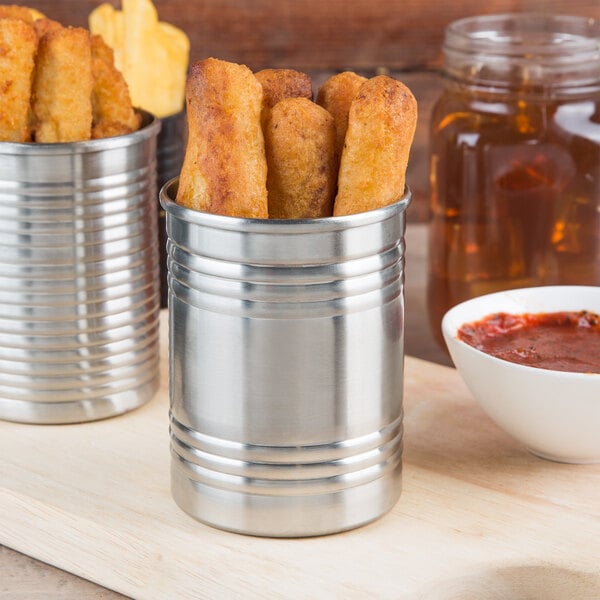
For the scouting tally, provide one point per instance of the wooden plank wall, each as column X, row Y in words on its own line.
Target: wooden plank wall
column 401, row 37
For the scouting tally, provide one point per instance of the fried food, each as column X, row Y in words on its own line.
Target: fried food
column 24, row 13
column 112, row 111
column 107, row 22
column 224, row 169
column 62, row 87
column 43, row 26
column 381, row 127
column 47, row 87
column 301, row 170
column 336, row 95
column 279, row 84
column 18, row 44
column 152, row 55
column 176, row 47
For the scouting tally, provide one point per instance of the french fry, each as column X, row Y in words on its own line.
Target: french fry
column 176, row 46
column 301, row 171
column 152, row 55
column 381, row 127
column 112, row 112
column 18, row 44
column 224, row 169
column 336, row 95
column 62, row 86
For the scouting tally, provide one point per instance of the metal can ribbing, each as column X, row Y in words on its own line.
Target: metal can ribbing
column 286, row 366
column 170, row 149
column 79, row 298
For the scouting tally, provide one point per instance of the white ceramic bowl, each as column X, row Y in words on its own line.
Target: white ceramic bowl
column 555, row 414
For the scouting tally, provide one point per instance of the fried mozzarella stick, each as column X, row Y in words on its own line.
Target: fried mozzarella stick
column 18, row 44
column 381, row 128
column 336, row 95
column 15, row 11
column 279, row 84
column 301, row 173
column 43, row 26
column 62, row 88
column 112, row 111
column 224, row 169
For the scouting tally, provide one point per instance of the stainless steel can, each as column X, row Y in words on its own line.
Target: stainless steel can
column 286, row 368
column 170, row 150
column 79, row 295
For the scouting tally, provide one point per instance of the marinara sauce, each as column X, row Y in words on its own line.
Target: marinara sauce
column 515, row 158
column 562, row 341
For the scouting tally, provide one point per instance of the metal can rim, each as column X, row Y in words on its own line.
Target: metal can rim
column 280, row 226
column 150, row 127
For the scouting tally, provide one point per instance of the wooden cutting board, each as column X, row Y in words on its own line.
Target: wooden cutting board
column 479, row 518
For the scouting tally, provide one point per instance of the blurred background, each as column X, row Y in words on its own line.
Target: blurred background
column 399, row 37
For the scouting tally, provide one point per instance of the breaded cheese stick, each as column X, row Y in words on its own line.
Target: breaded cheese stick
column 381, row 128
column 224, row 168
column 279, row 84
column 43, row 26
column 301, row 173
column 62, row 88
column 336, row 95
column 112, row 112
column 18, row 44
column 15, row 11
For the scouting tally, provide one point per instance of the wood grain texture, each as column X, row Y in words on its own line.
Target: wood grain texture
column 402, row 38
column 478, row 517
column 24, row 578
column 312, row 34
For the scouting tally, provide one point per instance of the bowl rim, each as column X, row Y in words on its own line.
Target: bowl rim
column 449, row 330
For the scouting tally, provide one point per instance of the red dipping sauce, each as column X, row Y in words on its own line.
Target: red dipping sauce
column 562, row 341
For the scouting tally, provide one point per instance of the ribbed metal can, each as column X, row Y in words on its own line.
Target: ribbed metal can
column 79, row 290
column 170, row 150
column 286, row 368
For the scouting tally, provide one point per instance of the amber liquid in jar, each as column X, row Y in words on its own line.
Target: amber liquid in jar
column 515, row 169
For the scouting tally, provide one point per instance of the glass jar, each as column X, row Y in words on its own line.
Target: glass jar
column 515, row 158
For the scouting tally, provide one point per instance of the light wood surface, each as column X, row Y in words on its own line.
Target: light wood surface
column 478, row 517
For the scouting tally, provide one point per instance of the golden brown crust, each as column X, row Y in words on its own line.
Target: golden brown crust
column 300, row 145
column 18, row 44
column 62, row 89
column 336, row 95
column 101, row 50
column 14, row 11
column 381, row 127
column 279, row 84
column 113, row 113
column 224, row 169
column 43, row 26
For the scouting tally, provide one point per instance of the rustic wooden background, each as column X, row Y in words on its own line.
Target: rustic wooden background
column 400, row 37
